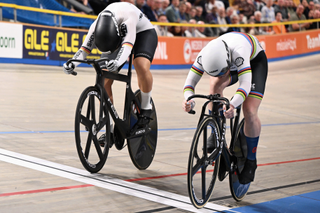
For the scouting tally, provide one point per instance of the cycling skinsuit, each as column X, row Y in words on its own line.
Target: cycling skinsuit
column 140, row 34
column 249, row 66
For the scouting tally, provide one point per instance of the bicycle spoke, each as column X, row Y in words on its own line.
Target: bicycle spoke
column 203, row 180
column 97, row 145
column 102, row 123
column 85, row 121
column 88, row 145
column 198, row 165
column 92, row 108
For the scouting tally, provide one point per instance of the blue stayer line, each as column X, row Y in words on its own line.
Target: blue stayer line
column 162, row 130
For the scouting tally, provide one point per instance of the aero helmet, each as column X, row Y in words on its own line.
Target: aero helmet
column 216, row 58
column 106, row 35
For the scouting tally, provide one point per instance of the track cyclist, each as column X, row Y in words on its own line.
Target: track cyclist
column 231, row 57
column 120, row 28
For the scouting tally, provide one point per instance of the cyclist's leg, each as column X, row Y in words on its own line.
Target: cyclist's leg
column 252, row 124
column 144, row 49
column 107, row 86
column 145, row 80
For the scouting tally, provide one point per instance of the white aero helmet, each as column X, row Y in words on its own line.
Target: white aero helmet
column 216, row 58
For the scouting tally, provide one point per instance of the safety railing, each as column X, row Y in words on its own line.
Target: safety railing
column 56, row 14
column 59, row 14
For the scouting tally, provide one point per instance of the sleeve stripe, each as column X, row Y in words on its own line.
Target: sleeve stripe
column 127, row 44
column 242, row 92
column 244, row 71
column 86, row 49
column 188, row 88
column 256, row 95
column 196, row 70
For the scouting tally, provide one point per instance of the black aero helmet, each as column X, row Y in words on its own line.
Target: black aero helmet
column 106, row 35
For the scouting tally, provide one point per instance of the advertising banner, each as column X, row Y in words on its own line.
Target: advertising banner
column 10, row 40
column 291, row 44
column 53, row 43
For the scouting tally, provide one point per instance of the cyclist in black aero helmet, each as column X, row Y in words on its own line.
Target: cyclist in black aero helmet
column 120, row 29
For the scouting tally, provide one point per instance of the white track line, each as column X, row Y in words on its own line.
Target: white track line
column 103, row 181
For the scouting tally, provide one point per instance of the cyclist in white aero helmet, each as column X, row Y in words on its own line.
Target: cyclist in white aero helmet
column 227, row 59
column 216, row 63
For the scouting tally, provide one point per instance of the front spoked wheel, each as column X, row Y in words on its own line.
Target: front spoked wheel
column 142, row 148
column 237, row 189
column 90, row 123
column 203, row 167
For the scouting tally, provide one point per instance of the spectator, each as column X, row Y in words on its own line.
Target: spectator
column 85, row 3
column 211, row 3
column 221, row 20
column 189, row 6
column 298, row 16
column 212, row 16
column 139, row 4
column 162, row 30
column 279, row 29
column 201, row 31
column 317, row 6
column 246, row 7
column 267, row 12
column 234, row 20
column 257, row 20
column 243, row 19
column 282, row 8
column 172, row 11
column 192, row 13
column 182, row 11
column 98, row 5
column 157, row 8
column 184, row 28
column 316, row 15
column 176, row 31
column 229, row 12
column 164, row 5
column 291, row 8
column 308, row 8
column 148, row 8
column 258, row 4
column 251, row 30
column 199, row 12
column 193, row 31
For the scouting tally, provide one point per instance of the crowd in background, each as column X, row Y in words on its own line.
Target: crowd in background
column 221, row 12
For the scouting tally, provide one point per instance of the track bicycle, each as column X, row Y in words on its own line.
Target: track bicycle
column 204, row 166
column 92, row 121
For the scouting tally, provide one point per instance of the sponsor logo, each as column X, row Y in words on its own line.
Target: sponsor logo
column 286, row 45
column 313, row 42
column 140, row 132
column 187, row 51
column 161, row 51
column 239, row 61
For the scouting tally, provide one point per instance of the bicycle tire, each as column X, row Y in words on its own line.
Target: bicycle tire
column 90, row 120
column 199, row 193
column 237, row 189
column 142, row 149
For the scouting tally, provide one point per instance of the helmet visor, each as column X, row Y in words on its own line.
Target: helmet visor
column 223, row 71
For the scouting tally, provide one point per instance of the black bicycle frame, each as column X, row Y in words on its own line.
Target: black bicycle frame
column 227, row 152
column 123, row 125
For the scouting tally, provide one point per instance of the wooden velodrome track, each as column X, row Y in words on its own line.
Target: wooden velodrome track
column 41, row 172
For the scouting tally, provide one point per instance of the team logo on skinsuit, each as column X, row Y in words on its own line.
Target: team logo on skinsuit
column 187, row 51
column 239, row 61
